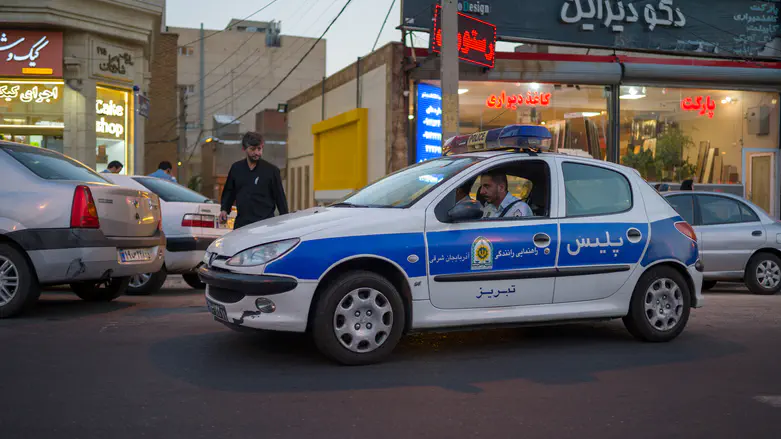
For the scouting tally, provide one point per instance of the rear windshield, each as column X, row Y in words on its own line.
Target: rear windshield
column 171, row 192
column 50, row 165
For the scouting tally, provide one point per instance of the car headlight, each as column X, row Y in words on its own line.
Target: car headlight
column 262, row 254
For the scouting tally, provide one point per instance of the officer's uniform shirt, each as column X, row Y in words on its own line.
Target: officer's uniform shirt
column 519, row 209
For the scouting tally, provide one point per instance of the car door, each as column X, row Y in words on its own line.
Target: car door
column 603, row 230
column 729, row 231
column 489, row 263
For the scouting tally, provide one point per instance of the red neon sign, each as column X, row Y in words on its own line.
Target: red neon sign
column 512, row 102
column 697, row 104
column 476, row 39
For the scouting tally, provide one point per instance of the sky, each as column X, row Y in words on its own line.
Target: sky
column 351, row 36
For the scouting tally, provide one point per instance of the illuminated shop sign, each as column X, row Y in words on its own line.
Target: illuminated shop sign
column 31, row 92
column 428, row 138
column 476, row 39
column 111, row 112
column 702, row 104
column 30, row 53
column 532, row 99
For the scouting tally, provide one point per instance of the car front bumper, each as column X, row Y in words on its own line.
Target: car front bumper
column 238, row 295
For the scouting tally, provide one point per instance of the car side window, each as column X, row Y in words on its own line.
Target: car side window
column 716, row 210
column 593, row 190
column 748, row 215
column 684, row 205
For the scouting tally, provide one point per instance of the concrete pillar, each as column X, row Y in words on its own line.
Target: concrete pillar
column 79, row 132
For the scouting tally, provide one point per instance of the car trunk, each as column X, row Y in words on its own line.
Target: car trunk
column 126, row 212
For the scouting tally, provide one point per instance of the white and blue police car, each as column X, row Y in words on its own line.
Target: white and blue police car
column 414, row 251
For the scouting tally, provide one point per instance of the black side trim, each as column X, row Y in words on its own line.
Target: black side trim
column 189, row 243
column 54, row 239
column 699, row 266
column 530, row 273
column 250, row 285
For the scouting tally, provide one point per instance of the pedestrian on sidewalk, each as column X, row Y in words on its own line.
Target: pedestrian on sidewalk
column 254, row 184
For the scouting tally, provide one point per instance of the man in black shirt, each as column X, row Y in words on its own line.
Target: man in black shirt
column 254, row 184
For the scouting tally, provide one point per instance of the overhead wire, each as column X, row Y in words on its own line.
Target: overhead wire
column 383, row 25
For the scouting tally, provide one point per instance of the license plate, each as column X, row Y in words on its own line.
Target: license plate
column 217, row 310
column 135, row 255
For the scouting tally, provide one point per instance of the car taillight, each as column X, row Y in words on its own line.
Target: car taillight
column 686, row 229
column 196, row 220
column 84, row 213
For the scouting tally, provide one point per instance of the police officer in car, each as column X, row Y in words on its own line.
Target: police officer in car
column 500, row 203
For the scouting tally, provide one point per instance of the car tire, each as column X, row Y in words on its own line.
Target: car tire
column 708, row 285
column 763, row 274
column 194, row 281
column 665, row 288
column 19, row 287
column 147, row 283
column 359, row 319
column 96, row 291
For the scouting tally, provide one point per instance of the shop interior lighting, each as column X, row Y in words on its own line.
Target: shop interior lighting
column 633, row 93
column 462, row 90
column 534, row 86
column 590, row 113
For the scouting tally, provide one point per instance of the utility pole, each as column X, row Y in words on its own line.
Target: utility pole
column 201, row 82
column 449, row 69
column 181, row 147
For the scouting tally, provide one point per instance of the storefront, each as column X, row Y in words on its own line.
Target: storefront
column 715, row 122
column 74, row 91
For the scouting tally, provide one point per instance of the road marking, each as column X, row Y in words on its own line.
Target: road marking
column 771, row 400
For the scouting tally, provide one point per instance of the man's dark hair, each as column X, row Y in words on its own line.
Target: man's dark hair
column 499, row 177
column 114, row 164
column 251, row 138
column 165, row 165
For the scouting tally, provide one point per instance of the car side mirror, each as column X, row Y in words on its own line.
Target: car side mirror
column 467, row 210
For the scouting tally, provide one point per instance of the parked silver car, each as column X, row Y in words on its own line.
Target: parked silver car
column 62, row 223
column 738, row 241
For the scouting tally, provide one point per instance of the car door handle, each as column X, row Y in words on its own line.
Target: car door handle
column 756, row 233
column 541, row 239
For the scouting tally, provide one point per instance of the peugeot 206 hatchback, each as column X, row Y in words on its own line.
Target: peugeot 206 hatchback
column 414, row 251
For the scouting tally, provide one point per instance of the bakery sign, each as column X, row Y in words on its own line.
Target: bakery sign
column 113, row 62
column 25, row 53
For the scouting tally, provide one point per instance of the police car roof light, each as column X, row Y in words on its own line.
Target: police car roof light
column 527, row 138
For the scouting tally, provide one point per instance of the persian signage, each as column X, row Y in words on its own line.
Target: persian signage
column 701, row 104
column 512, row 102
column 428, row 137
column 114, row 62
column 30, row 53
column 29, row 92
column 726, row 28
column 476, row 39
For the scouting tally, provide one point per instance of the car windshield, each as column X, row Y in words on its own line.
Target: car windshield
column 50, row 165
column 171, row 192
column 405, row 187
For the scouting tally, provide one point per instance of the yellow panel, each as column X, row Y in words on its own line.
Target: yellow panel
column 340, row 151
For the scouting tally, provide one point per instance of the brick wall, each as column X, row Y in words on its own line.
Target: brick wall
column 162, row 126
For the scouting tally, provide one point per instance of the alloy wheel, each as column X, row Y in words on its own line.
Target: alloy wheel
column 768, row 274
column 140, row 280
column 9, row 280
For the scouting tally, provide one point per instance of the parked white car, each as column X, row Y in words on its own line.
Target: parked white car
column 190, row 223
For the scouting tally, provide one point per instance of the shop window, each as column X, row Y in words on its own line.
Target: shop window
column 31, row 112
column 675, row 134
column 593, row 190
column 113, row 131
column 186, row 51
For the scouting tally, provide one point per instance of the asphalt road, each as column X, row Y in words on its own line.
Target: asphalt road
column 159, row 367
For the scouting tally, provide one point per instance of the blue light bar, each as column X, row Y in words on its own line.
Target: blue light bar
column 531, row 137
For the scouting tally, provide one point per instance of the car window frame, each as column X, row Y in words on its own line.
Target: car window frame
column 695, row 207
column 740, row 203
column 505, row 163
column 565, row 214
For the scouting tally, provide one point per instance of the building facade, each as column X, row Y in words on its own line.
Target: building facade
column 241, row 65
column 161, row 142
column 74, row 76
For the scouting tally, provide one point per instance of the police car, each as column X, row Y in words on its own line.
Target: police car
column 408, row 253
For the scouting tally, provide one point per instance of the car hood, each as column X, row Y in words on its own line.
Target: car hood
column 293, row 225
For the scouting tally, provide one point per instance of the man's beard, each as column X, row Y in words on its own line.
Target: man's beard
column 252, row 159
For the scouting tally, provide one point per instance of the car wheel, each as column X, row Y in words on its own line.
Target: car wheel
column 146, row 283
column 194, row 281
column 18, row 285
column 763, row 274
column 101, row 291
column 708, row 285
column 660, row 306
column 359, row 319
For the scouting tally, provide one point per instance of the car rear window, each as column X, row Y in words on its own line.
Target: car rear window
column 50, row 165
column 171, row 192
column 594, row 190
